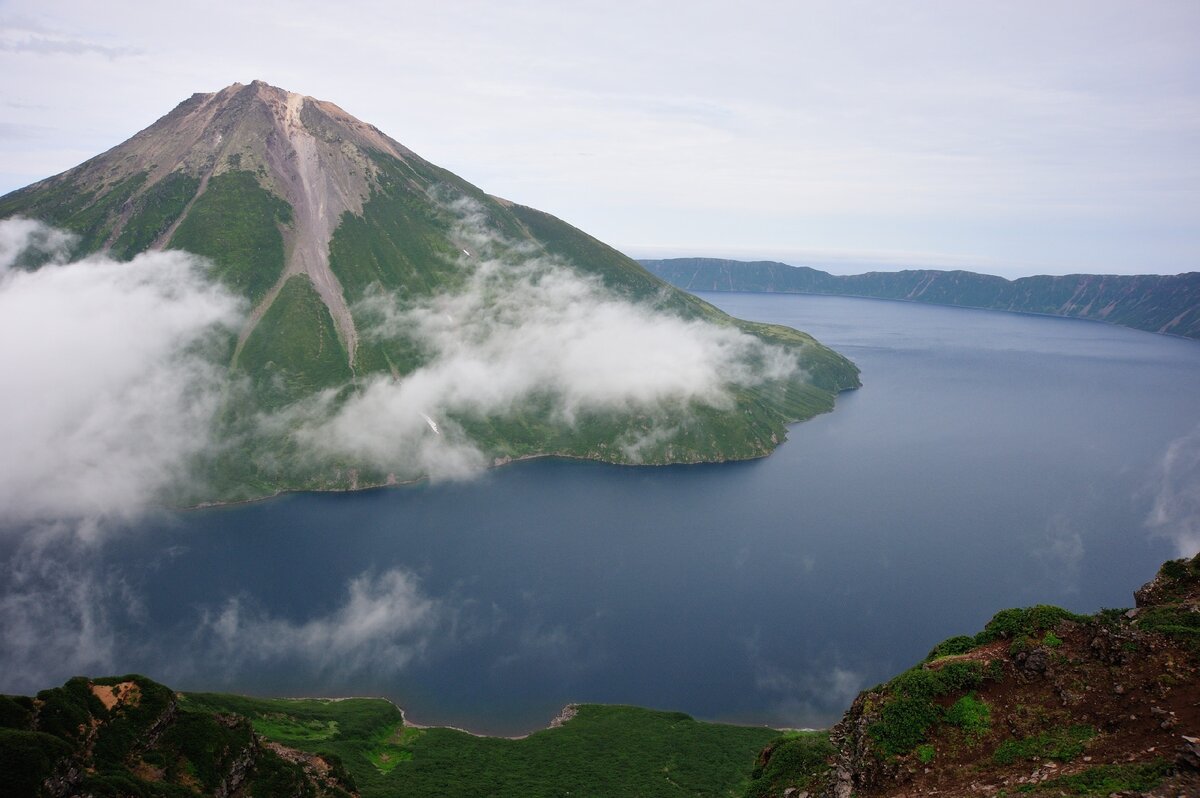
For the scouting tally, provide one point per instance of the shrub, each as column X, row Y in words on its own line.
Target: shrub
column 15, row 712
column 971, row 714
column 801, row 762
column 1025, row 622
column 910, row 711
column 27, row 758
column 903, row 724
column 960, row 644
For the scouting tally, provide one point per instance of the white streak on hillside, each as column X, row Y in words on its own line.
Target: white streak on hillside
column 1175, row 513
column 107, row 387
column 527, row 329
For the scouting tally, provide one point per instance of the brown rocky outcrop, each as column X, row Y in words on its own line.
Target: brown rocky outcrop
column 1042, row 702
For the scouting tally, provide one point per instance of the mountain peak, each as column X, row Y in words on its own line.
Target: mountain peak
column 309, row 152
column 326, row 227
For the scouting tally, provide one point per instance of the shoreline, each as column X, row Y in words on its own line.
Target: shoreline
column 497, row 463
column 1035, row 313
column 565, row 715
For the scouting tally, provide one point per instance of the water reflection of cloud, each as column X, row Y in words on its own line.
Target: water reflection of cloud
column 384, row 623
column 1175, row 512
column 815, row 687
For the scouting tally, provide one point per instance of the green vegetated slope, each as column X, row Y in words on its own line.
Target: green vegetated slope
column 89, row 209
column 227, row 176
column 404, row 243
column 235, row 223
column 1165, row 304
column 153, row 212
column 294, row 350
column 1041, row 702
column 608, row 751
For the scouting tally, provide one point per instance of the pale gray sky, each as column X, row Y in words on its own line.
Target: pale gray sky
column 1010, row 137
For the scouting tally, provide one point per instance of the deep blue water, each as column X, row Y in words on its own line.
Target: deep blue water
column 989, row 460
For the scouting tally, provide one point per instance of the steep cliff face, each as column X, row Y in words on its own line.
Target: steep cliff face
column 1041, row 702
column 1158, row 303
column 130, row 736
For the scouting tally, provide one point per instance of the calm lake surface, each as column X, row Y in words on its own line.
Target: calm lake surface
column 989, row 460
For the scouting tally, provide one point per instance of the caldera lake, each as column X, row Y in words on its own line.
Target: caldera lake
column 990, row 460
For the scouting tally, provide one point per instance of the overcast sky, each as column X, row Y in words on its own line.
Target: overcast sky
column 1010, row 137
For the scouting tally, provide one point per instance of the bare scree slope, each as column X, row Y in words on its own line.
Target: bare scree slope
column 393, row 321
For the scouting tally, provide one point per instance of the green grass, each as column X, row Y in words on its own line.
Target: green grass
column 1106, row 780
column 392, row 747
column 285, row 728
column 1178, row 622
column 603, row 751
column 236, row 223
column 1062, row 744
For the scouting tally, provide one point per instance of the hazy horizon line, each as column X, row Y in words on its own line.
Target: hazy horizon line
column 851, row 262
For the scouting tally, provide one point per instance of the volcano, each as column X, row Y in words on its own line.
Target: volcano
column 331, row 231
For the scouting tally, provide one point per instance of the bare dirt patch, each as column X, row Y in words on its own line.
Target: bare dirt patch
column 120, row 693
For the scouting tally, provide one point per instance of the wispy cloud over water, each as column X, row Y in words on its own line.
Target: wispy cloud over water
column 1175, row 513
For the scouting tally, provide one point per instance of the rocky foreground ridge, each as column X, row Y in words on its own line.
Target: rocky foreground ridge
column 130, row 736
column 1042, row 702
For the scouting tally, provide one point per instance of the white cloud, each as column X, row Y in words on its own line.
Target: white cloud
column 527, row 329
column 1175, row 513
column 383, row 624
column 109, row 386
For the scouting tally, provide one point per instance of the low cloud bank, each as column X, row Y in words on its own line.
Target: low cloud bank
column 525, row 329
column 114, row 376
column 110, row 383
